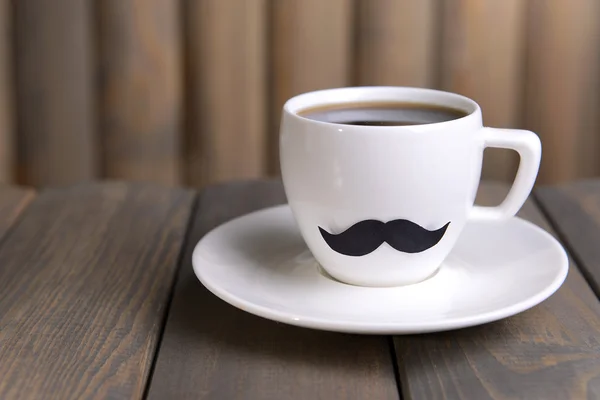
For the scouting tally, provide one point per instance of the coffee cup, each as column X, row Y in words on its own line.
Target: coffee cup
column 382, row 202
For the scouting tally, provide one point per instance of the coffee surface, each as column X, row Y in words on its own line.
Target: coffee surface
column 382, row 113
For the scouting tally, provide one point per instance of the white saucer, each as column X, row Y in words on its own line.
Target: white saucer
column 260, row 264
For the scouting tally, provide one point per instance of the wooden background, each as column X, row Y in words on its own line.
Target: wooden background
column 190, row 91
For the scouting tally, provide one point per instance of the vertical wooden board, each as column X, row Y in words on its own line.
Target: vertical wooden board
column 140, row 89
column 226, row 89
column 563, row 95
column 84, row 286
column 482, row 58
column 7, row 148
column 311, row 48
column 55, row 96
column 396, row 42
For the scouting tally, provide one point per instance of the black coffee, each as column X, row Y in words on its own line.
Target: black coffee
column 382, row 114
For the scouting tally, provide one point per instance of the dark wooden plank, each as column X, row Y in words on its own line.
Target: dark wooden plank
column 212, row 350
column 226, row 88
column 7, row 107
column 13, row 201
column 55, row 96
column 574, row 210
column 85, row 279
column 141, row 89
column 551, row 351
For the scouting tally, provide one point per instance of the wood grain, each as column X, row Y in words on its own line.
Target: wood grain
column 574, row 209
column 212, row 350
column 84, row 284
column 562, row 86
column 13, row 201
column 7, row 107
column 54, row 91
column 141, row 89
column 226, row 89
column 548, row 352
column 396, row 42
column 311, row 49
column 482, row 57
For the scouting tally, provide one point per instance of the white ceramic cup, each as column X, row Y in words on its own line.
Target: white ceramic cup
column 337, row 175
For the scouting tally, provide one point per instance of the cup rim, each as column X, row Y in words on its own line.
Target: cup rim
column 364, row 94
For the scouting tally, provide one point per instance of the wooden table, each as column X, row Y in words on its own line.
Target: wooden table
column 98, row 300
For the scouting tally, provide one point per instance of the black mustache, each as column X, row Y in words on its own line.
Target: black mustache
column 366, row 236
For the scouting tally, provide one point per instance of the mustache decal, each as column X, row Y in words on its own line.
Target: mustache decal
column 366, row 236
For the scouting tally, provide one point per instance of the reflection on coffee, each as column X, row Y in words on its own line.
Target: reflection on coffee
column 382, row 113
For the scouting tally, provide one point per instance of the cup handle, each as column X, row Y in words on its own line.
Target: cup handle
column 529, row 147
